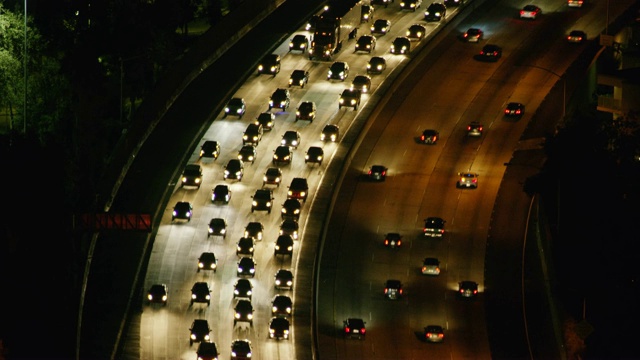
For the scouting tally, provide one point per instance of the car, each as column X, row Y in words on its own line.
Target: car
column 200, row 331
column 433, row 227
column 514, row 109
column 314, row 154
column 530, row 12
column 217, row 226
column 246, row 267
column 252, row 134
column 234, row 170
column 299, row 43
column 410, row 4
column 284, row 245
column 355, row 328
column 298, row 189
column 473, row 35
column 282, row 154
column 311, row 23
column 361, row 83
column 207, row 261
column 183, row 210
column 393, row 240
column 381, row 2
column 241, row 349
column 272, row 176
column 243, row 289
column 416, row 32
column 262, row 200
column 306, row 111
column 430, row 266
column 243, row 312
column 289, row 227
column 267, row 120
column 366, row 13
column 157, row 294
column 401, row 45
column 376, row 65
column 430, row 136
column 221, row 193
column 467, row 180
column 380, row 27
column 435, row 12
column 280, row 99
column 269, row 64
column 284, row 279
column 577, row 36
column 453, row 2
column 236, row 107
column 434, row 333
column 377, row 173
column 575, row 3
column 350, row 98
column 366, row 43
column 299, row 78
column 393, row 289
column 279, row 328
column 245, row 246
column 207, row 351
column 255, row 230
column 291, row 209
column 210, row 149
column 467, row 289
column 247, row 153
column 192, row 176
column 330, row 132
column 339, row 70
column 491, row 52
column 200, row 293
column 290, row 138
column 281, row 305
column 474, row 129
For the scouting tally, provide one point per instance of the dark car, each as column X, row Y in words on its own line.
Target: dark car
column 192, row 176
column 577, row 36
column 433, row 227
column 200, row 331
column 255, row 230
column 354, row 328
column 306, row 111
column 289, row 227
column 241, row 349
column 279, row 328
column 273, row 176
column 330, row 132
column 514, row 109
column 157, row 294
column 299, row 43
column 290, row 138
column 380, row 26
column 299, row 78
column 243, row 312
column 281, row 305
column 234, row 170
column 247, row 153
column 376, row 65
column 430, row 136
column 284, row 279
column 243, row 289
column 284, row 245
column 366, row 43
column 366, row 13
column 430, row 266
column 236, row 107
column 401, row 45
column 252, row 134
column 201, row 293
column 182, row 210
column 246, row 267
column 314, row 154
column 262, row 200
column 474, row 129
column 491, row 52
column 207, row 261
column 282, row 154
column 270, row 64
column 473, row 35
column 291, row 209
column 280, row 99
column 453, row 2
column 377, row 173
column 311, row 24
column 350, row 98
column 393, row 240
column 381, row 2
column 467, row 289
column 393, row 289
column 339, row 70
column 410, row 4
column 207, row 351
column 217, row 226
column 221, row 193
column 210, row 149
column 435, row 12
column 298, row 189
column 245, row 246
column 361, row 83
column 434, row 333
column 416, row 32
column 267, row 120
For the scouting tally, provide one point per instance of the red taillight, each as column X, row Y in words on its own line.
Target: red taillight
column 424, row 268
column 424, row 230
column 442, row 231
column 362, row 331
column 401, row 291
column 466, row 35
column 475, row 291
column 399, row 242
column 428, row 334
column 386, row 290
column 461, row 291
column 346, row 329
column 440, row 336
column 468, row 128
column 369, row 172
column 568, row 37
column 521, row 12
column 384, row 173
column 422, row 137
column 506, row 111
column 518, row 111
column 475, row 180
column 480, row 128
column 386, row 242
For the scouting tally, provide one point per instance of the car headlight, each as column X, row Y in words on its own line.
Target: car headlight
column 252, row 270
column 226, row 109
column 150, row 297
column 287, row 157
column 408, row 32
column 239, row 269
column 193, row 296
column 249, row 316
column 283, row 142
column 301, row 82
column 322, row 136
column 200, row 265
column 239, row 111
column 207, row 337
column 245, row 137
column 184, row 179
column 379, row 67
column 302, row 193
column 248, row 292
column 260, row 67
column 268, row 203
column 277, row 281
column 270, row 102
column 437, row 14
column 237, row 315
column 274, row 309
column 254, row 203
column 296, row 211
column 290, row 248
column 193, row 336
column 226, row 172
column 238, row 248
column 238, row 173
column 353, row 101
column 333, row 138
column 284, row 211
column 329, row 73
column 175, row 213
column 277, row 247
column 236, row 292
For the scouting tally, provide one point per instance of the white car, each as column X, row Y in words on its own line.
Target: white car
column 467, row 180
column 530, row 12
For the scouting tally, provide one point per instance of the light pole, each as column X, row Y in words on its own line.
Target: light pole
column 564, row 87
column 24, row 61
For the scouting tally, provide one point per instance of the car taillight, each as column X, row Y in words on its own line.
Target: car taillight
column 386, row 242
column 362, row 331
column 475, row 180
column 475, row 291
column 424, row 268
column 440, row 336
column 468, row 128
column 442, row 231
column 480, row 128
column 400, row 291
column 386, row 290
column 422, row 137
column 518, row 111
column 399, row 242
column 346, row 329
column 461, row 291
column 384, row 173
column 369, row 172
column 521, row 12
column 428, row 334
column 506, row 111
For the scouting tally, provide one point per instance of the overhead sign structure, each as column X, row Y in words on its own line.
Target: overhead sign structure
column 109, row 221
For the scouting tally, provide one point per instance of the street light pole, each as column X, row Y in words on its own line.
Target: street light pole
column 24, row 61
column 564, row 87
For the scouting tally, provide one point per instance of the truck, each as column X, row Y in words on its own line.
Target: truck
column 337, row 24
